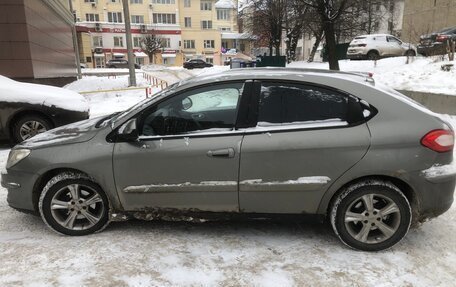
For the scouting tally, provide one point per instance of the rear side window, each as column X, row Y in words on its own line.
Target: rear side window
column 289, row 103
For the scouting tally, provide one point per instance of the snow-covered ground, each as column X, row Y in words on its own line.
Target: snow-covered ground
column 139, row 253
column 421, row 74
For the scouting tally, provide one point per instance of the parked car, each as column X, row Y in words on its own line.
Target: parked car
column 376, row 46
column 119, row 63
column 196, row 64
column 263, row 142
column 434, row 44
column 29, row 109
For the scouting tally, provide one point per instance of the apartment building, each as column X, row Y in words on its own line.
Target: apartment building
column 427, row 16
column 36, row 42
column 187, row 28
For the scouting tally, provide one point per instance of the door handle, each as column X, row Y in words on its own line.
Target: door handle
column 225, row 152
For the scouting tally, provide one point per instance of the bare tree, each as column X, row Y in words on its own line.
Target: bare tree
column 151, row 44
column 267, row 22
column 329, row 12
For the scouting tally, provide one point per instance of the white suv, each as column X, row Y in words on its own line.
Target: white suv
column 377, row 46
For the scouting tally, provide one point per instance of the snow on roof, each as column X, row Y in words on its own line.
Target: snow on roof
column 225, row 4
column 17, row 92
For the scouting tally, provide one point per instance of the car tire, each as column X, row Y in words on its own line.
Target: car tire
column 371, row 215
column 410, row 53
column 29, row 126
column 72, row 204
column 373, row 55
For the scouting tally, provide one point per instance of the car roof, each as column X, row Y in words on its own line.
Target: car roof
column 271, row 73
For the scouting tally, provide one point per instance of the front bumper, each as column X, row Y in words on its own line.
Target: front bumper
column 20, row 189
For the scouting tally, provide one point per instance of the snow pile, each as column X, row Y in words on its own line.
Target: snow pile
column 104, row 103
column 422, row 74
column 225, row 4
column 17, row 92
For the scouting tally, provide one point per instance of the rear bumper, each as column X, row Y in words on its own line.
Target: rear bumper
column 433, row 49
column 356, row 56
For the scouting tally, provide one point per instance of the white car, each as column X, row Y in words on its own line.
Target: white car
column 375, row 46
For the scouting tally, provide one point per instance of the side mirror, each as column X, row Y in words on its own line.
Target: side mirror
column 128, row 131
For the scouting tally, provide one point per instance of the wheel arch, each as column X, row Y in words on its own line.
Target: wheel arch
column 47, row 176
column 25, row 112
column 331, row 195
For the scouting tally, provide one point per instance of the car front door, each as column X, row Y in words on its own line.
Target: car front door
column 394, row 46
column 187, row 155
column 305, row 138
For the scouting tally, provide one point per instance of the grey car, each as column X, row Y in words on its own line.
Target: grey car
column 254, row 142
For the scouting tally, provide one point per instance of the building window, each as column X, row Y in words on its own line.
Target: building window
column 137, row 41
column 206, row 5
column 189, row 44
column 225, row 29
column 92, row 17
column 188, row 22
column 97, row 41
column 209, row 44
column 163, row 1
column 137, row 19
column 159, row 18
column 210, row 60
column 115, row 17
column 165, row 42
column 223, row 14
column 118, row 41
column 136, row 1
column 206, row 24
column 187, row 3
column 88, row 59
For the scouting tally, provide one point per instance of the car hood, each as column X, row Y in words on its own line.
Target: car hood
column 17, row 92
column 73, row 133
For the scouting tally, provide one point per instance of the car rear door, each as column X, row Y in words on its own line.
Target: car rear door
column 187, row 156
column 305, row 138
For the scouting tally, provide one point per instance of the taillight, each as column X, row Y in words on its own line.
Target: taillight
column 441, row 38
column 439, row 140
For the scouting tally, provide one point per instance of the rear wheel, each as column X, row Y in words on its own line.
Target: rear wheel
column 410, row 53
column 373, row 55
column 72, row 204
column 371, row 216
column 29, row 126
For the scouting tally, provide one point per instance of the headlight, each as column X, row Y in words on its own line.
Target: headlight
column 16, row 155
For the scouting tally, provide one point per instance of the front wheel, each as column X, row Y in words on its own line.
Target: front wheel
column 371, row 216
column 72, row 204
column 29, row 126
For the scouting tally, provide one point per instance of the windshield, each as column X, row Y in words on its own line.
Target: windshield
column 164, row 92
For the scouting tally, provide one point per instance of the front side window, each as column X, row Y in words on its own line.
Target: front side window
column 207, row 109
column 393, row 40
column 291, row 104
